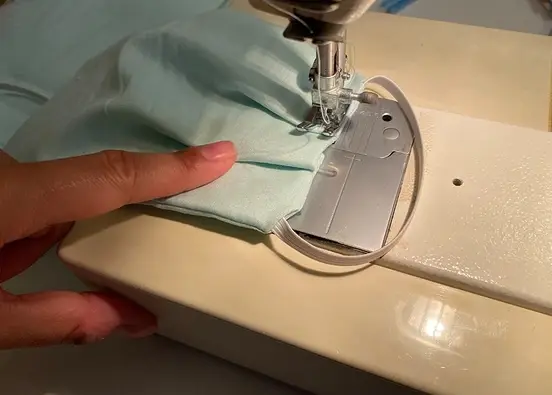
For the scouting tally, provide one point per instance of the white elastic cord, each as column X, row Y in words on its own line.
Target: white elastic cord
column 284, row 231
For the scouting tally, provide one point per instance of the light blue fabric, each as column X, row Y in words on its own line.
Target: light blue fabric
column 222, row 75
column 44, row 42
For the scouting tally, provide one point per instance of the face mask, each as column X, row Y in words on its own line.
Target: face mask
column 221, row 76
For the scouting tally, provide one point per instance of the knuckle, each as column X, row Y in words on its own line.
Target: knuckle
column 121, row 168
column 75, row 336
column 190, row 162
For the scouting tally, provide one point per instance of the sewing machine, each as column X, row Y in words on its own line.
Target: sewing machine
column 460, row 306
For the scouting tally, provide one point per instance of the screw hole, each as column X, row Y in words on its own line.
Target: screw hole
column 457, row 182
column 387, row 117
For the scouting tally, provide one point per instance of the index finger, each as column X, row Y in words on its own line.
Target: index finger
column 36, row 195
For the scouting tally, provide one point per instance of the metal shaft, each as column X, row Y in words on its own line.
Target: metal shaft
column 326, row 61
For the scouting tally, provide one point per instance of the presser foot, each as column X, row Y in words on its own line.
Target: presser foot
column 328, row 127
column 335, row 118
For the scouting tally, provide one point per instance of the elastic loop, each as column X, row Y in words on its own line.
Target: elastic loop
column 284, row 231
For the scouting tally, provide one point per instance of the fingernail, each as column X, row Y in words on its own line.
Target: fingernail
column 218, row 151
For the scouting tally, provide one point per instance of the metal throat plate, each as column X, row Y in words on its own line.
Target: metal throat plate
column 353, row 196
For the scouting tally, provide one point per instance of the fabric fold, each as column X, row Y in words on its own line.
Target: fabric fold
column 222, row 75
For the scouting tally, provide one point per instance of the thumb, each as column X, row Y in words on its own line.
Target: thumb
column 52, row 318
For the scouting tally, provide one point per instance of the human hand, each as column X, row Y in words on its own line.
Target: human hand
column 39, row 202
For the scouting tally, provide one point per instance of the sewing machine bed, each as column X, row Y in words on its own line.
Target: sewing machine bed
column 471, row 172
column 489, row 236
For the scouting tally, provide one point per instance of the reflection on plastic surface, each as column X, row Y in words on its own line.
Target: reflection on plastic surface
column 442, row 327
column 430, row 322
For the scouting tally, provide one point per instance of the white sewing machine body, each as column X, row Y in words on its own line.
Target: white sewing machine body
column 483, row 231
